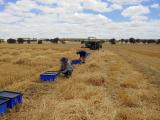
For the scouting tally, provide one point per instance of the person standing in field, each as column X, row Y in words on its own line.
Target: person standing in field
column 83, row 55
column 66, row 68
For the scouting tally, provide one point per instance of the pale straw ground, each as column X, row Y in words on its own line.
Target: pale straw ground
column 116, row 83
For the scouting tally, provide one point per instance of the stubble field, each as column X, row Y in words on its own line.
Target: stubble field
column 118, row 82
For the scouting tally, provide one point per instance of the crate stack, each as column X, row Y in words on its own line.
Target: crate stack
column 9, row 100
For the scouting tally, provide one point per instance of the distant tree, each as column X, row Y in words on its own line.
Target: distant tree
column 137, row 40
column 125, row 41
column 144, row 41
column 150, row 41
column 132, row 40
column 154, row 41
column 55, row 40
column 47, row 40
column 122, row 41
column 40, row 42
column 34, row 40
column 158, row 41
column 20, row 40
column 112, row 41
column 29, row 41
column 11, row 41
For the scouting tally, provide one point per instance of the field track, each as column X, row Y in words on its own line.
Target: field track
column 119, row 82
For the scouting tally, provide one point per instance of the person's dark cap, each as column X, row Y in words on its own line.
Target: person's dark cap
column 64, row 59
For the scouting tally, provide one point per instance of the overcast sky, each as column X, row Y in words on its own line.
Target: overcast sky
column 80, row 18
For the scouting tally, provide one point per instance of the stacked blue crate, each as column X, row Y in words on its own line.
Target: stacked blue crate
column 14, row 98
column 49, row 76
column 3, row 105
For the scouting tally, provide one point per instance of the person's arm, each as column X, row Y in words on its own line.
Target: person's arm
column 61, row 68
column 64, row 70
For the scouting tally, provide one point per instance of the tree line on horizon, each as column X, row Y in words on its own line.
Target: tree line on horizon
column 22, row 40
column 134, row 41
column 56, row 40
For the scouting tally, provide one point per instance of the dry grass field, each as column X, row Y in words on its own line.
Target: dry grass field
column 118, row 82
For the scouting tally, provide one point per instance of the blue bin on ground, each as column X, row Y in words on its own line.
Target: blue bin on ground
column 49, row 76
column 14, row 98
column 3, row 105
column 75, row 62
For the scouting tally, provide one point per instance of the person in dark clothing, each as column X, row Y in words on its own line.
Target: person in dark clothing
column 66, row 67
column 83, row 55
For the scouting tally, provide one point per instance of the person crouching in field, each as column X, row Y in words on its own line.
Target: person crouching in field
column 66, row 67
column 83, row 55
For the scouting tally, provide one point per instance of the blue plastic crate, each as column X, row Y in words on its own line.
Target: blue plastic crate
column 75, row 62
column 3, row 105
column 49, row 76
column 14, row 98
